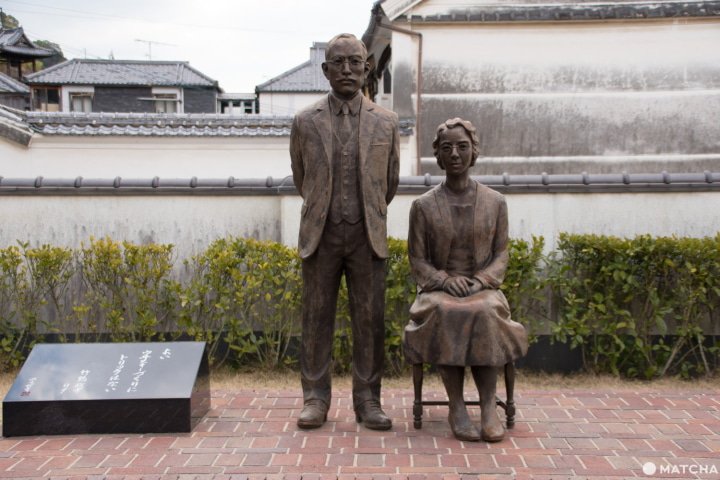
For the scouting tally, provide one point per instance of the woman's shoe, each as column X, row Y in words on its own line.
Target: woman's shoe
column 492, row 429
column 463, row 430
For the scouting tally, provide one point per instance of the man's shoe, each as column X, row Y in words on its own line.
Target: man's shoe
column 313, row 415
column 372, row 416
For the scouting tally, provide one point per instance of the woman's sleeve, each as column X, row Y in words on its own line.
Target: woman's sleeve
column 493, row 274
column 426, row 275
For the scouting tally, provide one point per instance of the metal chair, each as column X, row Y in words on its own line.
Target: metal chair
column 508, row 405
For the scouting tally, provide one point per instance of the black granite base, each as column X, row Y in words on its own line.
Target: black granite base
column 109, row 388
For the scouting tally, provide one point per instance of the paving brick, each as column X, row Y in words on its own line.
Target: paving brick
column 121, row 460
column 690, row 445
column 453, row 460
column 426, row 460
column 559, row 434
column 29, row 444
column 146, row 459
column 369, row 460
column 480, row 461
column 30, row 464
column 160, row 443
column 142, row 473
column 398, row 460
column 88, row 461
column 626, row 463
column 172, row 460
column 257, row 459
column 108, row 443
column 197, row 460
column 538, row 461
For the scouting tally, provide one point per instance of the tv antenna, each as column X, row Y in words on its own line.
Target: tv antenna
column 150, row 43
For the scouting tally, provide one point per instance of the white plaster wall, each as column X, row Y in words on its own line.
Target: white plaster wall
column 281, row 103
column 616, row 214
column 146, row 157
column 108, row 157
column 191, row 222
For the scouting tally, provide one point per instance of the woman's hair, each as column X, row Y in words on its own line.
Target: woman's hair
column 454, row 123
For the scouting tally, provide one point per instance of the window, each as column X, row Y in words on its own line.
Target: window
column 167, row 99
column 77, row 98
column 81, row 102
column 166, row 102
column 46, row 99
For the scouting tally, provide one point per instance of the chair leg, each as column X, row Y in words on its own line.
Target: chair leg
column 510, row 392
column 417, row 404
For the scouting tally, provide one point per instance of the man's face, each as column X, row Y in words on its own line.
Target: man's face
column 345, row 67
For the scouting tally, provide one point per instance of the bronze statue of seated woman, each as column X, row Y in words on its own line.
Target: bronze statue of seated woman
column 458, row 247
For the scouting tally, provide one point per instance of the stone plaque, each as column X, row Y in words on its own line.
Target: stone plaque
column 108, row 388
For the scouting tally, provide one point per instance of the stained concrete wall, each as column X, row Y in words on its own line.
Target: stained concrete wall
column 563, row 97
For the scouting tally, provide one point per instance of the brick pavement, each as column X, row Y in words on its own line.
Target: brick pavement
column 251, row 434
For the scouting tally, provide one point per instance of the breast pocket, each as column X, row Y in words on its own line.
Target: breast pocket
column 379, row 149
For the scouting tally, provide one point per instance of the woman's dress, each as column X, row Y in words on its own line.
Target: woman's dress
column 472, row 330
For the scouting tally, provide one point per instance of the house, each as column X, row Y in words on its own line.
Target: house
column 237, row 103
column 557, row 87
column 18, row 56
column 297, row 88
column 14, row 93
column 83, row 85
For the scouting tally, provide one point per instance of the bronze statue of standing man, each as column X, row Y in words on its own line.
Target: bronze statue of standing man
column 345, row 163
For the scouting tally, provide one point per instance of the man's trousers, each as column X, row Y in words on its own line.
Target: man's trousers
column 343, row 249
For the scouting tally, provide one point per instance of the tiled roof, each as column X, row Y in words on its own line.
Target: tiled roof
column 579, row 183
column 16, row 42
column 307, row 77
column 157, row 124
column 10, row 85
column 575, row 11
column 13, row 127
column 121, row 72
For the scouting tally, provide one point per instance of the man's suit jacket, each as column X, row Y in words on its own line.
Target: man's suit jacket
column 431, row 234
column 311, row 148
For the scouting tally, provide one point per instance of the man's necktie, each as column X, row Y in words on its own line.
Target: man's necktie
column 345, row 125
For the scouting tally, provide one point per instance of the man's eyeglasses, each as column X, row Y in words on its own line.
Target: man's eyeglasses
column 354, row 62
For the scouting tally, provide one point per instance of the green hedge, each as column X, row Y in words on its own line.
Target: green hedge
column 619, row 299
column 635, row 307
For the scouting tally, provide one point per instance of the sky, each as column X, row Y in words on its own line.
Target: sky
column 239, row 43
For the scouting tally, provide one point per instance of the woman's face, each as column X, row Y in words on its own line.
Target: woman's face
column 455, row 151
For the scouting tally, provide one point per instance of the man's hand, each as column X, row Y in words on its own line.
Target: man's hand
column 461, row 286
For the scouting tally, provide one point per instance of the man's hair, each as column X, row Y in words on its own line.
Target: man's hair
column 344, row 36
column 454, row 123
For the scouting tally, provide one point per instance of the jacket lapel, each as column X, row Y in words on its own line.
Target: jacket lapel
column 367, row 128
column 322, row 121
column 445, row 232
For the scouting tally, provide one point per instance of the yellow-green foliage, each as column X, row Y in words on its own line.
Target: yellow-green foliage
column 243, row 297
column 636, row 307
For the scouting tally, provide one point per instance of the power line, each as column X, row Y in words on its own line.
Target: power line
column 97, row 15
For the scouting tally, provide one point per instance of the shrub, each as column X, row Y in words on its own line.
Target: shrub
column 128, row 290
column 619, row 298
column 243, row 298
column 635, row 307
